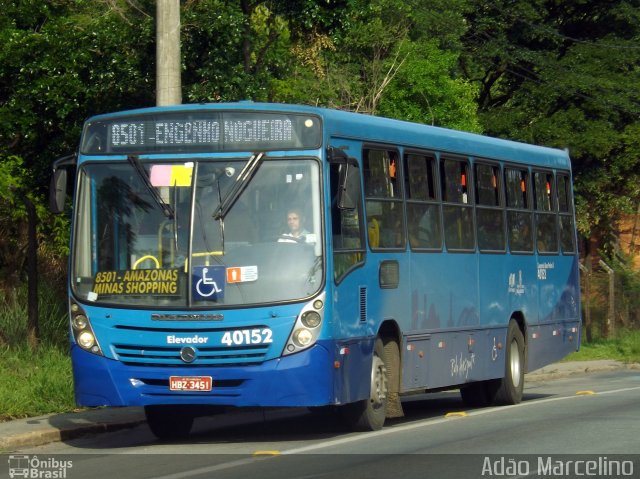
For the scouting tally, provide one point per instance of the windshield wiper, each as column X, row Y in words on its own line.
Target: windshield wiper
column 167, row 210
column 243, row 179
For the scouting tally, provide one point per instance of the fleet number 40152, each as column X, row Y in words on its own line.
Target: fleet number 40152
column 241, row 337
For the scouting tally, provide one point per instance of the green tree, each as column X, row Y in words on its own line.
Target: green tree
column 397, row 59
column 62, row 61
column 59, row 63
column 232, row 49
column 566, row 74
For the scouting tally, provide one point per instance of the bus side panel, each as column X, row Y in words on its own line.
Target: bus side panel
column 360, row 307
column 451, row 358
column 558, row 331
column 494, row 290
column 521, row 284
column 352, row 379
column 444, row 297
column 444, row 292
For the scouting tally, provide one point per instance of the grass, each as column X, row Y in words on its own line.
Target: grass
column 34, row 381
column 625, row 347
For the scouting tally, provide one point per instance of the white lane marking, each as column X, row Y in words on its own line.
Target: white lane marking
column 383, row 432
column 430, row 422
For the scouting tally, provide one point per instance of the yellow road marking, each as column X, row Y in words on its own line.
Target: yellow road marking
column 266, row 453
column 456, row 414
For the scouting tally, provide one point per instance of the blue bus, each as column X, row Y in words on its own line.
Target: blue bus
column 273, row 255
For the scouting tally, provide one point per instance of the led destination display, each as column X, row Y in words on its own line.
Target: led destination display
column 201, row 132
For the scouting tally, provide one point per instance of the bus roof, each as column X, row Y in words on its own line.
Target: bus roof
column 369, row 128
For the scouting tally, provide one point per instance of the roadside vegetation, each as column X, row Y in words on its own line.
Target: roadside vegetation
column 38, row 380
column 624, row 347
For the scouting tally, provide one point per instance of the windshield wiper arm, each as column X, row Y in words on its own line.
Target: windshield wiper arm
column 167, row 210
column 243, row 179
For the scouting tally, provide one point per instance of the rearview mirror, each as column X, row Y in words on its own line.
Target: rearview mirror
column 349, row 187
column 58, row 186
column 58, row 191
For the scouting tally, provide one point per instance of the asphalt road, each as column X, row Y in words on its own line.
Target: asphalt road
column 595, row 416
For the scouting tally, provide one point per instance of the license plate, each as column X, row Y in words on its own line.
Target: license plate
column 190, row 383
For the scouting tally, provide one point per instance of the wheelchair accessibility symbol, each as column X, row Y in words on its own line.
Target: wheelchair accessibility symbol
column 208, row 283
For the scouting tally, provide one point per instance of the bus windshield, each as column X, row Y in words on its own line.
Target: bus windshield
column 151, row 234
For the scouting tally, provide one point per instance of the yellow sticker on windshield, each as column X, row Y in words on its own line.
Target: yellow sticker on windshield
column 171, row 175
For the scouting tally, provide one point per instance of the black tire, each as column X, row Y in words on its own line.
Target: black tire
column 369, row 414
column 393, row 366
column 169, row 423
column 507, row 390
column 510, row 387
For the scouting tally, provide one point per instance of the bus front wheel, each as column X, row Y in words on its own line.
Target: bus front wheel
column 369, row 414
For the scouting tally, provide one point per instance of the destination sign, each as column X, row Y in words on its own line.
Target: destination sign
column 137, row 281
column 199, row 132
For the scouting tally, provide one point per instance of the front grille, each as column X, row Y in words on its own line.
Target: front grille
column 206, row 356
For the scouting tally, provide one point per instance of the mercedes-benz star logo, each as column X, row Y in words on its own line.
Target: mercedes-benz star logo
column 188, row 354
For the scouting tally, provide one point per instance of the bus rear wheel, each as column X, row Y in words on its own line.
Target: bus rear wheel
column 369, row 414
column 507, row 390
column 169, row 423
column 511, row 386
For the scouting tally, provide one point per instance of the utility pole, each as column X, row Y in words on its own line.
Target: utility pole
column 168, row 64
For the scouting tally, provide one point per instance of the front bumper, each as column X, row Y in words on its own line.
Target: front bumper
column 307, row 378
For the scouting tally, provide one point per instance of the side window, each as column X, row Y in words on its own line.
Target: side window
column 519, row 217
column 385, row 220
column 545, row 216
column 565, row 208
column 457, row 211
column 346, row 227
column 489, row 212
column 423, row 208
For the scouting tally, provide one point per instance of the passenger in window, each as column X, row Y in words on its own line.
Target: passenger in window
column 373, row 230
column 297, row 233
column 374, row 223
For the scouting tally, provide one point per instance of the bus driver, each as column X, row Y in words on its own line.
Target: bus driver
column 296, row 233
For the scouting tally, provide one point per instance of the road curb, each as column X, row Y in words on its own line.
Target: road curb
column 574, row 368
column 33, row 432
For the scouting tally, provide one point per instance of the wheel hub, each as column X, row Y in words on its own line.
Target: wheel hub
column 378, row 382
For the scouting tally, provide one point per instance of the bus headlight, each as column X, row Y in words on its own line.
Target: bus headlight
column 80, row 322
column 307, row 328
column 302, row 337
column 311, row 319
column 86, row 340
column 82, row 330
